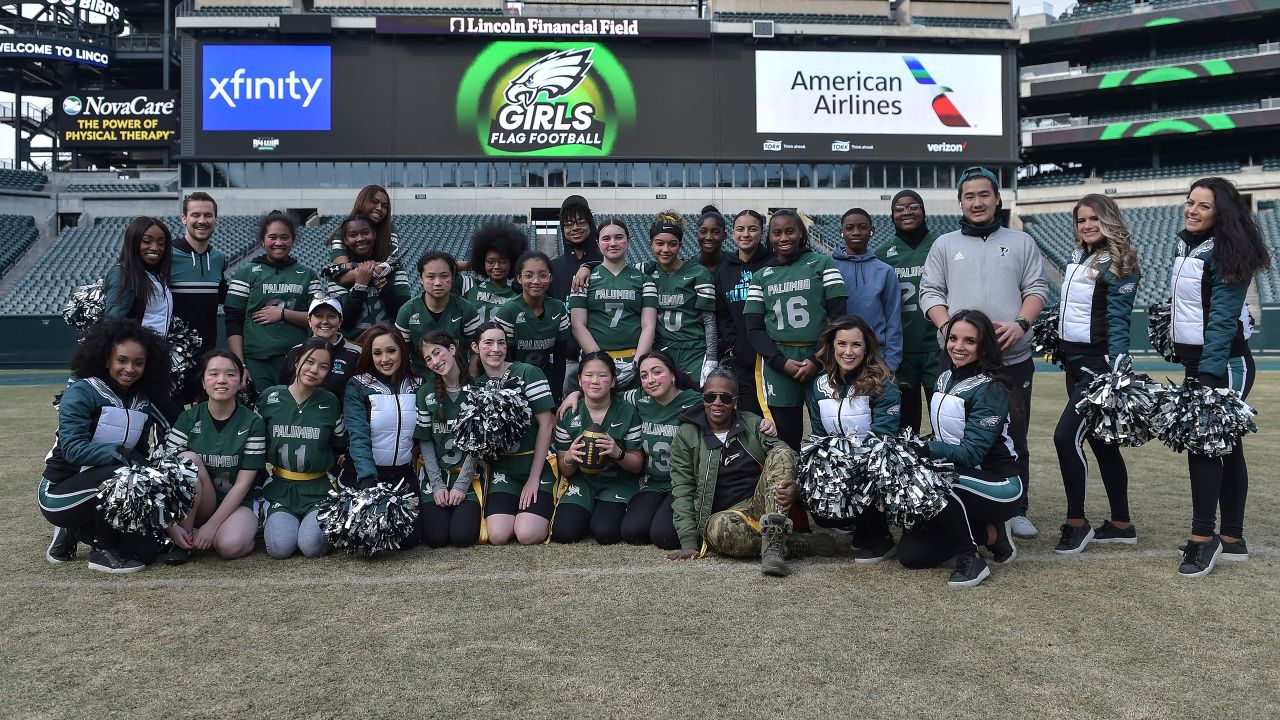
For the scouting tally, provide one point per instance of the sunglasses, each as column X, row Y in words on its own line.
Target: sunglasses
column 723, row 398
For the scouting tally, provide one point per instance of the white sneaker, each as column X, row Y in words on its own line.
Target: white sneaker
column 1023, row 528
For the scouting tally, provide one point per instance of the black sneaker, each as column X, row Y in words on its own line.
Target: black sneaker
column 1003, row 550
column 970, row 570
column 1108, row 533
column 1198, row 558
column 63, row 547
column 1234, row 551
column 1074, row 539
column 112, row 560
column 878, row 550
column 177, row 556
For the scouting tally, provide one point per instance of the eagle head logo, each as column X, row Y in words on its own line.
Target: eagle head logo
column 555, row 74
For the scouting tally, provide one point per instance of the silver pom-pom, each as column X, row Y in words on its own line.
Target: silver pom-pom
column 84, row 308
column 493, row 419
column 1044, row 335
column 368, row 521
column 1119, row 407
column 910, row 488
column 184, row 345
column 146, row 499
column 1159, row 330
column 1202, row 420
column 830, row 480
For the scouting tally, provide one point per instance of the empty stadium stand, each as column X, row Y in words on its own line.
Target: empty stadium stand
column 1194, row 170
column 123, row 187
column 1174, row 57
column 17, row 232
column 805, row 18
column 22, row 179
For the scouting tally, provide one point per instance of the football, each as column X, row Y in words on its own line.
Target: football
column 593, row 457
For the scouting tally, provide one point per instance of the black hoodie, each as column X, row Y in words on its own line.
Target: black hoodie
column 732, row 278
column 566, row 265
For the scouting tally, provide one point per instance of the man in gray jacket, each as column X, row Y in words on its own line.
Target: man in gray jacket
column 985, row 266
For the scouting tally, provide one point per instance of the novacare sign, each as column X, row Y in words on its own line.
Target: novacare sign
column 266, row 87
column 879, row 93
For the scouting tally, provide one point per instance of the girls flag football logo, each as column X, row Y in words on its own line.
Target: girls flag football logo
column 942, row 105
column 549, row 99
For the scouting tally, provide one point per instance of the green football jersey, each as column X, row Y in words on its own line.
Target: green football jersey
column 487, row 298
column 459, row 319
column 792, row 297
column 683, row 296
column 918, row 334
column 302, row 437
column 258, row 284
column 614, row 304
column 338, row 248
column 436, row 417
column 537, row 391
column 621, row 422
column 659, row 424
column 532, row 336
column 239, row 444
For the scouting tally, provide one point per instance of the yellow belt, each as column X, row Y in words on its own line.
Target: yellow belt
column 297, row 476
column 621, row 354
column 529, row 452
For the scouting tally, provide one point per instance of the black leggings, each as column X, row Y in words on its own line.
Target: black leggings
column 458, row 526
column 1069, row 438
column 574, row 523
column 747, row 400
column 912, row 412
column 1221, row 481
column 790, row 424
column 1021, row 376
column 961, row 526
column 88, row 522
column 866, row 529
column 649, row 520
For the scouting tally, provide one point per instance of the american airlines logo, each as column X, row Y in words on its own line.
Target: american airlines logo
column 266, row 87
column 946, row 147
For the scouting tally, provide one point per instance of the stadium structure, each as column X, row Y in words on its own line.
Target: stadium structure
column 497, row 109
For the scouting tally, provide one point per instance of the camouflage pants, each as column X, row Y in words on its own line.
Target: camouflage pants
column 736, row 532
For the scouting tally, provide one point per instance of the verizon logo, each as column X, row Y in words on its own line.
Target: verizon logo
column 944, row 147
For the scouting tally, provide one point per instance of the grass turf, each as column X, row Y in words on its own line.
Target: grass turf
column 586, row 631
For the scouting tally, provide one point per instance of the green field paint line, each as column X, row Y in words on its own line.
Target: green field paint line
column 1160, row 127
column 1219, row 121
column 1112, row 79
column 1163, row 21
column 1216, row 68
column 1114, row 131
column 1164, row 75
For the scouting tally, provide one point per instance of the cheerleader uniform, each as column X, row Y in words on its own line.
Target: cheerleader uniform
column 833, row 409
column 1093, row 327
column 1209, row 337
column 100, row 428
column 970, row 416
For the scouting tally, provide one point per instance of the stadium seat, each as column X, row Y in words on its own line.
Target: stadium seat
column 29, row 180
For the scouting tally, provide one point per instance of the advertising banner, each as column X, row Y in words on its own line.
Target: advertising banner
column 407, row 96
column 45, row 48
column 118, row 118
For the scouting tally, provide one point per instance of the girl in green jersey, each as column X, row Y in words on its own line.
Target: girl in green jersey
column 450, row 511
column 228, row 443
column 618, row 313
column 537, row 326
column 494, row 250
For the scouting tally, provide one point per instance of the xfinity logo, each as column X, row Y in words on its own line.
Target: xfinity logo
column 945, row 147
column 266, row 87
column 269, row 88
column 773, row 145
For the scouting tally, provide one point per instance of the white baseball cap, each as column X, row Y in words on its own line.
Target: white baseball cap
column 323, row 301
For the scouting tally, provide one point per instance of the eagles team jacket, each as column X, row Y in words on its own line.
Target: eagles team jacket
column 970, row 417
column 95, row 424
column 199, row 285
column 380, row 422
column 1095, row 306
column 1206, row 308
column 835, row 411
column 121, row 302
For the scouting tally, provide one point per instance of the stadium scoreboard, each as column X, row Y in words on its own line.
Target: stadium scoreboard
column 421, row 93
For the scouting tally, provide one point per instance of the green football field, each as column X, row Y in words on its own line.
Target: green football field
column 617, row 632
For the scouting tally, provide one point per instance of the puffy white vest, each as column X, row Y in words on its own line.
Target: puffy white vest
column 392, row 419
column 843, row 416
column 1075, row 311
column 1186, row 287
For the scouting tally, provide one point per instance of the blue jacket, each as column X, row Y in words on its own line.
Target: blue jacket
column 875, row 297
